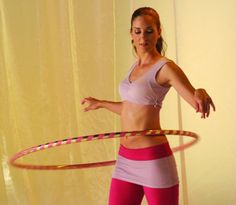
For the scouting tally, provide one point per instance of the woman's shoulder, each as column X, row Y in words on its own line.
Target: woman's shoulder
column 167, row 59
column 169, row 64
column 164, row 62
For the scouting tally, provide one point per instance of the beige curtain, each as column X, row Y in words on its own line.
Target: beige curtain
column 54, row 53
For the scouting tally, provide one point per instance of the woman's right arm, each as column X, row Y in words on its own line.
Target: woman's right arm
column 94, row 104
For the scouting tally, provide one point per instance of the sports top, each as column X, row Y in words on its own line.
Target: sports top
column 144, row 90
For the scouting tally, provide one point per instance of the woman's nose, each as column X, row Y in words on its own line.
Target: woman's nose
column 143, row 35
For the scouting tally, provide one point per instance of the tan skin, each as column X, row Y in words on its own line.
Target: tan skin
column 145, row 34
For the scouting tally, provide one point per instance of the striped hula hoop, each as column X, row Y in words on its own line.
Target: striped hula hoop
column 13, row 159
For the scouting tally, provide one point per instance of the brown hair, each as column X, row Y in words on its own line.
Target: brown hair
column 150, row 12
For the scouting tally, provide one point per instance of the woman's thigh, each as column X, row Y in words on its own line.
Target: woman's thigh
column 162, row 196
column 125, row 193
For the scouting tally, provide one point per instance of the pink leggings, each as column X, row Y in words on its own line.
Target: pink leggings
column 126, row 193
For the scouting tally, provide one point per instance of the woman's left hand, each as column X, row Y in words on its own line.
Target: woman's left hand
column 204, row 102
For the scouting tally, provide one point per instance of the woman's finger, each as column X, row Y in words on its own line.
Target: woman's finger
column 208, row 110
column 213, row 105
column 83, row 101
column 201, row 109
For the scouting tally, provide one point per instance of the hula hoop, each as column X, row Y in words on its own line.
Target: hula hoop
column 79, row 139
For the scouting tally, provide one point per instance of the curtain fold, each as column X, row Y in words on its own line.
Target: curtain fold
column 54, row 53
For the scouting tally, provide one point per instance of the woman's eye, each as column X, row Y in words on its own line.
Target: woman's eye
column 149, row 31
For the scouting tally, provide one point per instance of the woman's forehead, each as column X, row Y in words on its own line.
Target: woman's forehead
column 144, row 20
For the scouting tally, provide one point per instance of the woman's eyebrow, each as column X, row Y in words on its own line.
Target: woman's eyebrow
column 148, row 27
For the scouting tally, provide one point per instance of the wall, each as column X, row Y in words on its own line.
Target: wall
column 206, row 50
column 54, row 53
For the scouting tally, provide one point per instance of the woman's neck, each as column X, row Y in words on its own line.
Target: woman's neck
column 148, row 58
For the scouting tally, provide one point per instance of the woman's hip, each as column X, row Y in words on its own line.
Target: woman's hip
column 151, row 166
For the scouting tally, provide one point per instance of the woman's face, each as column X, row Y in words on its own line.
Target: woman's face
column 144, row 34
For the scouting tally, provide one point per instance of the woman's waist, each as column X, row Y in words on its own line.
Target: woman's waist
column 130, row 122
column 139, row 124
column 142, row 141
column 139, row 118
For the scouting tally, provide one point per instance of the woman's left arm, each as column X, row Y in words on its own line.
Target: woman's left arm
column 172, row 75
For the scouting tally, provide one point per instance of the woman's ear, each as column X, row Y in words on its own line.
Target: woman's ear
column 131, row 34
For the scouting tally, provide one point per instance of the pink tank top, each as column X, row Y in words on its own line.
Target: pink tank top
column 145, row 90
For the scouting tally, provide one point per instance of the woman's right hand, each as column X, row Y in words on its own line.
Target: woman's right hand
column 203, row 102
column 93, row 103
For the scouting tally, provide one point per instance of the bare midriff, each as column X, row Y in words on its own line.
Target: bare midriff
column 136, row 117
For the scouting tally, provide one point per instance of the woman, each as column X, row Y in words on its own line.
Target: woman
column 145, row 165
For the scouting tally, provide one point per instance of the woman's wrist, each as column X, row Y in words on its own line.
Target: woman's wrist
column 101, row 103
column 199, row 90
